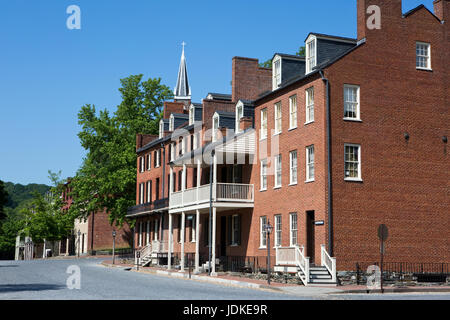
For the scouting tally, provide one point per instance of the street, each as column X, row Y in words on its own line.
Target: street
column 47, row 280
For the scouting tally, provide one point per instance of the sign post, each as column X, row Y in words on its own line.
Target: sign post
column 382, row 235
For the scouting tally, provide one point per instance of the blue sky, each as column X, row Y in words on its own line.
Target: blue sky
column 48, row 72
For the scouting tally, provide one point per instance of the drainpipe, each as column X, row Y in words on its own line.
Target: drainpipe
column 330, row 189
column 163, row 168
column 211, row 168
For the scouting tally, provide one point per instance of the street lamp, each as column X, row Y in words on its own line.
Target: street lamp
column 114, row 246
column 268, row 228
column 78, row 240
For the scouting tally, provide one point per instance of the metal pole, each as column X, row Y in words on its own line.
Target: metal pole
column 381, row 265
column 268, row 258
column 114, row 248
column 210, row 212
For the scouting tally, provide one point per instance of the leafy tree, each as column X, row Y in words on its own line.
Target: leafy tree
column 107, row 176
column 268, row 64
column 3, row 200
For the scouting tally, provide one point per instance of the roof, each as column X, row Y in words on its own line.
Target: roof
column 226, row 114
column 331, row 37
column 410, row 12
column 182, row 89
column 219, row 96
column 289, row 56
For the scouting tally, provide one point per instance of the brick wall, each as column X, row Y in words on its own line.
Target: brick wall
column 248, row 79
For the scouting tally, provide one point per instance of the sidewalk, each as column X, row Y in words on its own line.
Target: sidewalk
column 287, row 288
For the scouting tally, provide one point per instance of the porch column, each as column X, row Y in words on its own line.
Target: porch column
column 171, row 182
column 170, row 244
column 198, row 177
column 183, row 219
column 183, row 182
column 215, row 178
column 197, row 241
column 213, row 258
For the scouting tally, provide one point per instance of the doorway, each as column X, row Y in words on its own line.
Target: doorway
column 310, row 236
column 223, row 236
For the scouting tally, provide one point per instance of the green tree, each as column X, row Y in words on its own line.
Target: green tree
column 3, row 200
column 107, row 176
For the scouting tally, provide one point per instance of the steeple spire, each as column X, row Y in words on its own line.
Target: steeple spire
column 182, row 90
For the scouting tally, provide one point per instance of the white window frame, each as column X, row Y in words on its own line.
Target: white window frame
column 310, row 164
column 140, row 234
column 428, row 57
column 357, row 102
column 263, row 132
column 278, row 228
column 155, row 230
column 309, row 105
column 239, row 114
column 171, row 123
column 194, row 228
column 293, row 167
column 263, row 175
column 293, row 112
column 141, row 164
column 158, row 158
column 215, row 118
column 141, row 192
column 234, row 217
column 149, row 161
column 293, row 228
column 147, row 236
column 149, row 195
column 173, row 151
column 191, row 115
column 262, row 232
column 278, row 171
column 311, row 55
column 278, row 117
column 359, row 178
column 276, row 70
column 161, row 129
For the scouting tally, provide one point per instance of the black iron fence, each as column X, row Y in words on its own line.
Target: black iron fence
column 392, row 271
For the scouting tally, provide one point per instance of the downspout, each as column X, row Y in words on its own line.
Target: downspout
column 330, row 186
column 211, row 168
column 163, row 169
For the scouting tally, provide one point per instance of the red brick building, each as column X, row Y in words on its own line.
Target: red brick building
column 325, row 147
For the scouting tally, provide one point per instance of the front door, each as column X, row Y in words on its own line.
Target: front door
column 310, row 236
column 223, row 236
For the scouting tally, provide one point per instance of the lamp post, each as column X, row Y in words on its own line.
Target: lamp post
column 114, row 246
column 78, row 240
column 268, row 228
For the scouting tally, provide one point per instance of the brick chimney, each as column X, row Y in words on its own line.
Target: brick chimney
column 442, row 9
column 245, row 123
column 391, row 12
column 143, row 139
column 248, row 79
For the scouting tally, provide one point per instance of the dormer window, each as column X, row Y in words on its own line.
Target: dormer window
column 239, row 115
column 161, row 129
column 276, row 70
column 191, row 115
column 215, row 126
column 311, row 54
column 171, row 123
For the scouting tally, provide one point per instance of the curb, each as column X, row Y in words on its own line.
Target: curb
column 396, row 290
column 185, row 276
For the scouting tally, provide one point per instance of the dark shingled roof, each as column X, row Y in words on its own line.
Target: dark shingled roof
column 219, row 96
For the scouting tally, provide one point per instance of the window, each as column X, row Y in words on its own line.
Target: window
column 351, row 102
column 293, row 229
column 171, row 123
column 158, row 159
column 263, row 123
column 191, row 115
column 149, row 191
column 235, row 230
column 156, row 229
column 278, row 171
column 149, row 161
column 352, row 162
column 423, row 55
column 239, row 115
column 181, row 146
column 140, row 234
column 293, row 167
column 172, row 151
column 276, row 73
column 311, row 54
column 263, row 174
column 141, row 193
column 147, row 236
column 277, row 117
column 262, row 232
column 277, row 230
column 310, row 105
column 309, row 163
column 193, row 228
column 293, row 112
column 215, row 127
column 141, row 164
column 161, row 129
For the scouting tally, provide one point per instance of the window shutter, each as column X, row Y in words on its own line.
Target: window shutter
column 230, row 229
column 239, row 231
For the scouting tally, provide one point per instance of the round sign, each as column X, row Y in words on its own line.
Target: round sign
column 383, row 232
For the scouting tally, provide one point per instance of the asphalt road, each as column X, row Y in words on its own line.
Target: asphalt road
column 47, row 280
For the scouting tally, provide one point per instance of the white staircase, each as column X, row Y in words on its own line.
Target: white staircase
column 293, row 260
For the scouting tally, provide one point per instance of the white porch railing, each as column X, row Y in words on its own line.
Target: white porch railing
column 303, row 263
column 223, row 192
column 294, row 256
column 159, row 246
column 329, row 263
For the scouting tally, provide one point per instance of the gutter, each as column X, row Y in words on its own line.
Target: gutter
column 330, row 186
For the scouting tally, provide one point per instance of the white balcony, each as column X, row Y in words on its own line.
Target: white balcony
column 222, row 193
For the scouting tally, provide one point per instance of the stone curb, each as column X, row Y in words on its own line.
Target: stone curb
column 185, row 276
column 396, row 290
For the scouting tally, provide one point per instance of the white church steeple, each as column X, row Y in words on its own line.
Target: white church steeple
column 182, row 90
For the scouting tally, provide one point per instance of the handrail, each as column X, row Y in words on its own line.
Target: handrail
column 328, row 262
column 303, row 263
